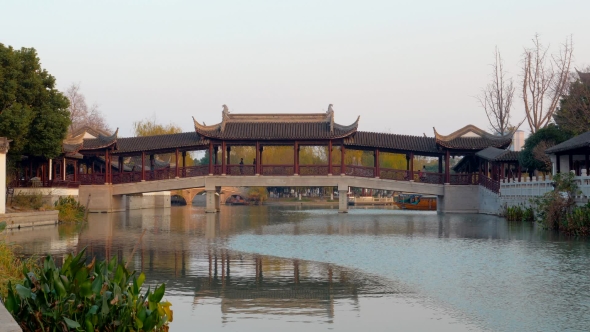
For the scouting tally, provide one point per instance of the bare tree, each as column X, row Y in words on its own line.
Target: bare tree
column 545, row 80
column 496, row 97
column 82, row 115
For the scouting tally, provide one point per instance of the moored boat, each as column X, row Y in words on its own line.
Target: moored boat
column 415, row 202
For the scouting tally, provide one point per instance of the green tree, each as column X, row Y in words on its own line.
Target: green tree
column 150, row 127
column 33, row 113
column 533, row 154
column 573, row 114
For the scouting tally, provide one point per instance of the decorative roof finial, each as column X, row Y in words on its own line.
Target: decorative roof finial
column 330, row 108
column 225, row 109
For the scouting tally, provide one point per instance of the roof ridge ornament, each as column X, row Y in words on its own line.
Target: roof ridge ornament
column 224, row 116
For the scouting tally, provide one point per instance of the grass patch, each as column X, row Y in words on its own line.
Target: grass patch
column 69, row 209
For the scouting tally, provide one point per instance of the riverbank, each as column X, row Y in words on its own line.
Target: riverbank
column 17, row 220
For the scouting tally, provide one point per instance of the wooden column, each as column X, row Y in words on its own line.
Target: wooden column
column 223, row 158
column 296, row 158
column 258, row 161
column 330, row 157
column 215, row 149
column 502, row 172
column 557, row 164
column 152, row 164
column 411, row 166
column 106, row 166
column 63, row 169
column 376, row 164
column 228, row 162
column 210, row 158
column 75, row 170
column 440, row 164
column 342, row 155
column 447, row 167
column 142, row 165
column 177, row 162
column 261, row 158
column 183, row 163
column 120, row 164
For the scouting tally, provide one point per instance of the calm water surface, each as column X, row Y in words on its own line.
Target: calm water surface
column 270, row 268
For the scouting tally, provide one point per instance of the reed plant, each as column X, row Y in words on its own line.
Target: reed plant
column 519, row 213
column 11, row 266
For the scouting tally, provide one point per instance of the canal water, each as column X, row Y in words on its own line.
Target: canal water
column 270, row 268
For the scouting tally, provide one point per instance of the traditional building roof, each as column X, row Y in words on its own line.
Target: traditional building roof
column 578, row 142
column 87, row 131
column 393, row 142
column 159, row 142
column 276, row 126
column 100, row 142
column 495, row 154
column 472, row 138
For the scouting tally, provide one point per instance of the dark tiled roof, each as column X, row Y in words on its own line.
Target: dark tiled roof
column 277, row 130
column 475, row 143
column 159, row 142
column 495, row 154
column 480, row 139
column 70, row 148
column 100, row 142
column 393, row 142
column 580, row 141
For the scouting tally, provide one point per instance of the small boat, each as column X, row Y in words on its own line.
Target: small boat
column 415, row 202
column 236, row 200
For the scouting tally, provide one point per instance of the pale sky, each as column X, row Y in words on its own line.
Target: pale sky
column 403, row 66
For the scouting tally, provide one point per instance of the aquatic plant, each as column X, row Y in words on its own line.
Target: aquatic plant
column 69, row 209
column 519, row 213
column 557, row 209
column 100, row 296
column 11, row 267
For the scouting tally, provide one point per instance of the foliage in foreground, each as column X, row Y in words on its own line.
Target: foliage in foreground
column 519, row 213
column 69, row 209
column 11, row 267
column 100, row 296
column 557, row 210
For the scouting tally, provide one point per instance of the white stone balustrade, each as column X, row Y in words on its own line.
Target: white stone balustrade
column 538, row 188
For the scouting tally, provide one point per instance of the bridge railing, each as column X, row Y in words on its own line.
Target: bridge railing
column 278, row 169
column 197, row 170
column 240, row 170
column 362, row 171
column 394, row 174
column 314, row 170
column 465, row 179
column 489, row 184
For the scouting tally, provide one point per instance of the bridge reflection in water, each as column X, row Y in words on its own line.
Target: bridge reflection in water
column 186, row 249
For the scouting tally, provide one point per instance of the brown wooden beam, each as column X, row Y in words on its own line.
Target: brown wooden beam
column 223, row 158
column 342, row 156
column 142, row 165
column 210, row 158
column 258, row 161
column 330, row 157
column 376, row 164
column 296, row 157
column 177, row 162
column 447, row 167
column 411, row 166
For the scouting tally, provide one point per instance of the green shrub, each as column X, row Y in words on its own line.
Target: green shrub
column 257, row 194
column 519, row 213
column 577, row 222
column 100, row 296
column 69, row 209
column 30, row 201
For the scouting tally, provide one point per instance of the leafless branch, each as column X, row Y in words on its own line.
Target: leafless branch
column 496, row 97
column 545, row 80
